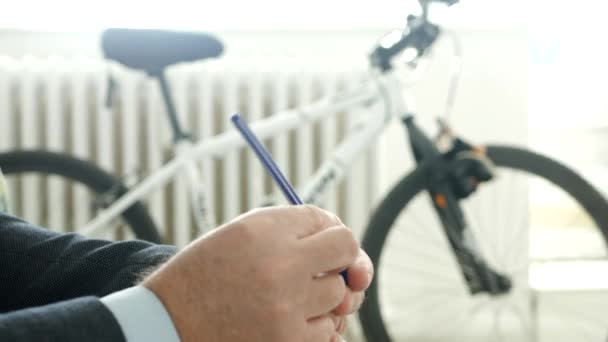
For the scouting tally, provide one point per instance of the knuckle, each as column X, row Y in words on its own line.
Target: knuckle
column 321, row 217
column 350, row 243
column 334, row 218
column 330, row 217
column 311, row 209
column 358, row 301
column 315, row 214
column 341, row 325
column 329, row 329
column 337, row 292
column 325, row 328
column 336, row 320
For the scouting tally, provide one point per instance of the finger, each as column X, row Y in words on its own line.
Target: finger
column 351, row 303
column 341, row 326
column 337, row 320
column 325, row 294
column 331, row 249
column 321, row 329
column 314, row 219
column 360, row 273
column 339, row 323
column 345, row 306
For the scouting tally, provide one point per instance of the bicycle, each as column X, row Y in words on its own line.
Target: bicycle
column 450, row 170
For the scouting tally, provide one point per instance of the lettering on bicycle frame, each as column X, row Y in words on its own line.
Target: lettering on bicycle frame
column 321, row 184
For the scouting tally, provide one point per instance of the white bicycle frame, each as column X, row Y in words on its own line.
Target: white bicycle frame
column 385, row 88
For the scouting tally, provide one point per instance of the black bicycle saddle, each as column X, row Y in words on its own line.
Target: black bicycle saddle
column 153, row 50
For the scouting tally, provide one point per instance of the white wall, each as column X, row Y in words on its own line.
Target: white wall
column 262, row 14
column 491, row 103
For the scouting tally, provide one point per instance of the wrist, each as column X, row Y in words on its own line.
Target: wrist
column 169, row 292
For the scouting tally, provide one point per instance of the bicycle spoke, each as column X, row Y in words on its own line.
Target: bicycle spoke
column 438, row 276
column 485, row 229
column 443, row 321
column 409, row 245
column 448, row 290
column 401, row 299
column 519, row 235
column 444, row 270
column 516, row 181
column 507, row 224
column 426, row 305
column 500, row 217
column 420, row 238
column 496, row 331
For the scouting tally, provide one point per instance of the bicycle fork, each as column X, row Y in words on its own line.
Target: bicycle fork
column 480, row 277
column 448, row 181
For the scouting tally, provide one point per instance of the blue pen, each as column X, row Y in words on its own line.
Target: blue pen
column 264, row 156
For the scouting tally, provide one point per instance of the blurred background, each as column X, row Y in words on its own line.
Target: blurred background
column 532, row 76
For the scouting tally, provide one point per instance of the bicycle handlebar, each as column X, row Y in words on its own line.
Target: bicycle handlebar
column 420, row 35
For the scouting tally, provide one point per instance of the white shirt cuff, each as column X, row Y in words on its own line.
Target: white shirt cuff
column 141, row 315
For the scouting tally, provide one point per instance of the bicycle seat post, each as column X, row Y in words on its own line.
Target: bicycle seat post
column 178, row 132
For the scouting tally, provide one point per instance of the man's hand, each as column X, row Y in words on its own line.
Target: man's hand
column 271, row 275
column 360, row 275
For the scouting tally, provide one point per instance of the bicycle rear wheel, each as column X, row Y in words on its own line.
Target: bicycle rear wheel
column 419, row 293
column 22, row 164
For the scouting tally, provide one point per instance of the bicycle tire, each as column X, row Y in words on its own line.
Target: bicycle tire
column 408, row 187
column 86, row 173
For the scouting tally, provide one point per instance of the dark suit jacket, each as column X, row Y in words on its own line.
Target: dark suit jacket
column 50, row 282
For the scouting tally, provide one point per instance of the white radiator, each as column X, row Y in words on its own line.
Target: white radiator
column 53, row 104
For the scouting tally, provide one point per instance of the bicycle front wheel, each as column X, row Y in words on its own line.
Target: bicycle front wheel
column 530, row 223
column 20, row 166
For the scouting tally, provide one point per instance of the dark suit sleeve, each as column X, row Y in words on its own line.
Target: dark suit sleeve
column 49, row 281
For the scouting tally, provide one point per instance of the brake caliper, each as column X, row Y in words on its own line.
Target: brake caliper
column 470, row 166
